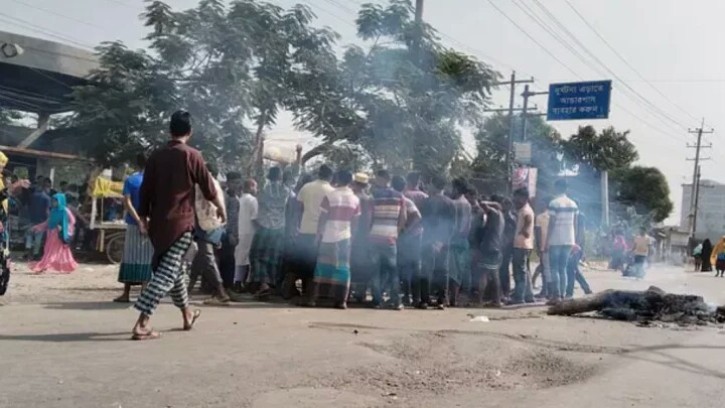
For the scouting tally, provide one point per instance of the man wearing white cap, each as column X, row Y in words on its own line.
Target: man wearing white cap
column 360, row 260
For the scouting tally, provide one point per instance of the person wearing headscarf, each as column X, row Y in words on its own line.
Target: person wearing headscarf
column 717, row 258
column 57, row 255
column 706, row 256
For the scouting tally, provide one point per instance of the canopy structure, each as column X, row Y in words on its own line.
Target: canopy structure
column 37, row 75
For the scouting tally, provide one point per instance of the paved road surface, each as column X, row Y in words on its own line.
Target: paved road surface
column 62, row 344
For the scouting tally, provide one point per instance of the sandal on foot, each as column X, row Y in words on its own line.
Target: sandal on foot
column 215, row 301
column 194, row 317
column 122, row 299
column 151, row 335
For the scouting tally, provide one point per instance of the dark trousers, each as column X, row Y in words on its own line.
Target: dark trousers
column 504, row 271
column 205, row 265
column 226, row 263
column 574, row 274
column 434, row 274
column 385, row 258
column 522, row 276
column 409, row 248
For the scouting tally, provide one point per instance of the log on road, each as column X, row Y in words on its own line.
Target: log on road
column 648, row 305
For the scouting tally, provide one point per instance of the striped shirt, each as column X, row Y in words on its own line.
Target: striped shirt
column 388, row 214
column 562, row 215
column 341, row 206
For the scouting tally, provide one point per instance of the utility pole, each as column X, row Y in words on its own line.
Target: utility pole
column 525, row 110
column 696, row 172
column 419, row 28
column 696, row 193
column 512, row 97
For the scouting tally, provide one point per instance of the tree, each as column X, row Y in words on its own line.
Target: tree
column 609, row 150
column 404, row 97
column 231, row 67
column 645, row 189
column 492, row 144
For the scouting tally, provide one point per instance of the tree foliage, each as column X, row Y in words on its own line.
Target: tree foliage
column 404, row 95
column 607, row 150
column 492, row 144
column 645, row 189
column 233, row 67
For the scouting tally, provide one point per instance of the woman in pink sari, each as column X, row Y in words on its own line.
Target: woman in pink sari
column 57, row 255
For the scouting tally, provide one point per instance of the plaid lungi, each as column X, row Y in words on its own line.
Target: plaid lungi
column 266, row 255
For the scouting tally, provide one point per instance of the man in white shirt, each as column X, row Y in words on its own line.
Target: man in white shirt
column 561, row 237
column 208, row 235
column 248, row 209
column 541, row 229
column 304, row 253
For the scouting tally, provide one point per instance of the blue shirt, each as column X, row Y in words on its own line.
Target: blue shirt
column 132, row 187
column 39, row 206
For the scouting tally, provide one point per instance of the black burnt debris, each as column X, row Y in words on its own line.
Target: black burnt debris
column 650, row 305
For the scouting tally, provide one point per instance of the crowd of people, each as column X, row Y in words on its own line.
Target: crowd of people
column 708, row 257
column 51, row 220
column 385, row 240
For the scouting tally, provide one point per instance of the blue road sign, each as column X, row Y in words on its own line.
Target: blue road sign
column 579, row 100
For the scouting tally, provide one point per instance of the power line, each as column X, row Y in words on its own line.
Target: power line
column 577, row 54
column 649, row 125
column 121, row 3
column 342, row 6
column 533, row 39
column 654, row 108
column 334, row 15
column 60, row 15
column 541, row 23
column 36, row 28
column 624, row 60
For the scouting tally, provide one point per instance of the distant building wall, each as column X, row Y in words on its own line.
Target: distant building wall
column 711, row 209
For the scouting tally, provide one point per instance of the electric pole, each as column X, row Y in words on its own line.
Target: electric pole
column 419, row 28
column 696, row 193
column 696, row 173
column 511, row 109
column 525, row 110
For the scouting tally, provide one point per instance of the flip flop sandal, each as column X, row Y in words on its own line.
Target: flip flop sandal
column 194, row 318
column 121, row 300
column 152, row 335
column 214, row 301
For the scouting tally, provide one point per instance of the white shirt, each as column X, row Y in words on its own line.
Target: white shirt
column 562, row 214
column 206, row 210
column 248, row 209
column 311, row 196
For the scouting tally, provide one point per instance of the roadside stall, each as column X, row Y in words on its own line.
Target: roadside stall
column 110, row 232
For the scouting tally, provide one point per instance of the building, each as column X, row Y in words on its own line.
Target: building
column 37, row 77
column 710, row 213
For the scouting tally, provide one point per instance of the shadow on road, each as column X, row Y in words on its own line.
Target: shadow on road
column 90, row 306
column 67, row 337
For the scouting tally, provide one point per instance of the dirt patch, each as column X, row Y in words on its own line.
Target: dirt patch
column 440, row 362
column 547, row 369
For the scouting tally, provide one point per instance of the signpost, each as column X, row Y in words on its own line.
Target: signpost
column 579, row 100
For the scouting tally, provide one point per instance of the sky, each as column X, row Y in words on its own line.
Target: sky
column 662, row 55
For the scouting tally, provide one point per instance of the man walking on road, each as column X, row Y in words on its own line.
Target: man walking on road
column 561, row 237
column 167, row 214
